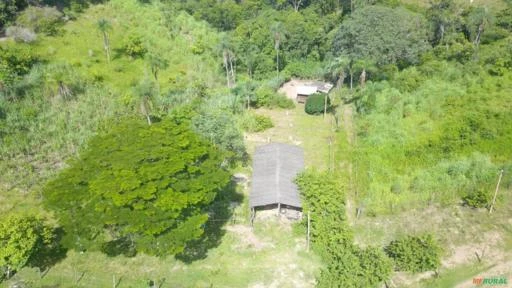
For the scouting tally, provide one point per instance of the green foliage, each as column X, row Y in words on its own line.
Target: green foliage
column 315, row 103
column 415, row 253
column 134, row 46
column 150, row 184
column 14, row 63
column 217, row 127
column 304, row 70
column 479, row 198
column 324, row 199
column 252, row 122
column 351, row 266
column 22, row 240
column 346, row 264
column 440, row 131
column 46, row 20
column 8, row 10
column 268, row 98
column 382, row 35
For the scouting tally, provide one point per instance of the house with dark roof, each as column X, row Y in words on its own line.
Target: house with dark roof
column 275, row 167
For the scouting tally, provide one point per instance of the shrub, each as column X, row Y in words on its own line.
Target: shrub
column 41, row 19
column 134, row 47
column 266, row 97
column 256, row 123
column 478, row 198
column 20, row 34
column 415, row 253
column 315, row 103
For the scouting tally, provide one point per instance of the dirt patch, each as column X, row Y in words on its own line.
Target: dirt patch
column 488, row 248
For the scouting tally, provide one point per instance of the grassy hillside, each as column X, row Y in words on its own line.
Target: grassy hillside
column 42, row 129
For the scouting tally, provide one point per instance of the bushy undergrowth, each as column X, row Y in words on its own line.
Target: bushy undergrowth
column 415, row 253
column 269, row 98
column 437, row 133
column 252, row 122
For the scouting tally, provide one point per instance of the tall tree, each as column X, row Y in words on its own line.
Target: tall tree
column 296, row 4
column 150, row 187
column 337, row 69
column 156, row 64
column 445, row 18
column 383, row 36
column 105, row 27
column 278, row 35
column 145, row 91
column 228, row 59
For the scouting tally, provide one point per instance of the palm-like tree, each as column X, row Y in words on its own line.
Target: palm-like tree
column 337, row 69
column 278, row 35
column 104, row 27
column 146, row 91
column 228, row 57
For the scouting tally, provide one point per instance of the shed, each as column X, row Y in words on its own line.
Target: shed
column 275, row 167
column 304, row 91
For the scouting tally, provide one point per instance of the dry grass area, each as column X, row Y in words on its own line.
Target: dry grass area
column 463, row 232
column 315, row 134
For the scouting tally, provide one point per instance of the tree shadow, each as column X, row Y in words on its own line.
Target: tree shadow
column 220, row 212
column 120, row 246
column 50, row 254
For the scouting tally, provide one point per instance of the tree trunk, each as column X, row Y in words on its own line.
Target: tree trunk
column 106, row 46
column 296, row 5
column 362, row 78
column 479, row 34
column 325, row 104
column 277, row 62
column 233, row 79
column 351, row 79
column 226, row 67
column 441, row 27
column 341, row 79
column 144, row 109
column 155, row 73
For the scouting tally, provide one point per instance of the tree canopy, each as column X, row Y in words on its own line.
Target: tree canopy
column 383, row 35
column 148, row 185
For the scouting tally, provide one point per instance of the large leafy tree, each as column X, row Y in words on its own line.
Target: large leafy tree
column 383, row 36
column 21, row 239
column 146, row 186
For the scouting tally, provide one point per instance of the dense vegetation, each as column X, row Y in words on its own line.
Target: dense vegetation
column 126, row 118
column 149, row 187
column 347, row 264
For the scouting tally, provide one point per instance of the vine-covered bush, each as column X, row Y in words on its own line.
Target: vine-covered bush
column 415, row 253
column 346, row 264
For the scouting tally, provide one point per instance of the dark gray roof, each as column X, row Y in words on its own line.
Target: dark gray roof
column 275, row 167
